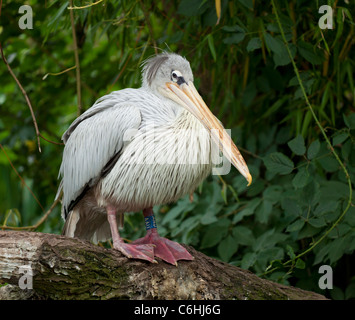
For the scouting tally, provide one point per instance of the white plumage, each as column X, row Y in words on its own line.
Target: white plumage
column 133, row 149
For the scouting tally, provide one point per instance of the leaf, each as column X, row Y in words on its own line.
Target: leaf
column 2, row 98
column 350, row 217
column 273, row 193
column 227, row 248
column 218, row 10
column 325, row 207
column 257, row 187
column 307, row 51
column 337, row 294
column 310, row 193
column 12, row 217
column 290, row 252
column 317, row 222
column 349, row 120
column 295, row 226
column 294, row 80
column 301, row 178
column 237, row 36
column 274, row 44
column 191, row 8
column 320, row 256
column 212, row 206
column 273, row 27
column 335, row 190
column 329, row 163
column 243, row 235
column 297, row 145
column 272, row 109
column 234, row 39
column 183, row 205
column 340, row 231
column 215, row 233
column 247, row 3
column 277, row 46
column 300, row 264
column 277, row 263
column 211, row 46
column 247, row 211
column 59, row 13
column 248, row 260
column 263, row 211
column 11, row 154
column 292, row 207
column 345, row 150
column 269, row 254
column 184, row 227
column 340, row 138
column 224, row 192
column 234, row 28
column 283, row 58
column 277, row 162
column 253, row 44
column 211, row 238
column 268, row 240
column 210, row 215
column 249, row 94
column 337, row 248
column 307, row 232
column 313, row 149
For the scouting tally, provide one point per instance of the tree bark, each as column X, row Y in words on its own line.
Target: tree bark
column 67, row 268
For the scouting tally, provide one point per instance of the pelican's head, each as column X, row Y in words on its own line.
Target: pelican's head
column 166, row 67
column 170, row 75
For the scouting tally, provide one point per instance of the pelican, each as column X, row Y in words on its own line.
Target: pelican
column 137, row 148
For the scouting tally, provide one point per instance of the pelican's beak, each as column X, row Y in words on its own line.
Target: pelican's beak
column 186, row 95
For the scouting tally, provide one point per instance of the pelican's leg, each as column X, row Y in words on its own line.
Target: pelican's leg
column 164, row 249
column 136, row 251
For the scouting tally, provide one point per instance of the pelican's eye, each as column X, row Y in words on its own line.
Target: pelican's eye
column 175, row 75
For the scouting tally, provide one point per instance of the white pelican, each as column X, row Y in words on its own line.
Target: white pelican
column 136, row 148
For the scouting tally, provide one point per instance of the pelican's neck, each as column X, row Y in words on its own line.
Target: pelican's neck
column 186, row 120
column 183, row 119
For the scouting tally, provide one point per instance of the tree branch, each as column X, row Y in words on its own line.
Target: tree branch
column 35, row 226
column 67, row 268
column 83, row 7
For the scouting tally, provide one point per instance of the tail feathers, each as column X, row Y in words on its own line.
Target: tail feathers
column 71, row 224
column 59, row 191
column 90, row 227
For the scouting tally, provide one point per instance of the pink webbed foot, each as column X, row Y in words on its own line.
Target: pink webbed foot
column 164, row 249
column 136, row 251
column 140, row 251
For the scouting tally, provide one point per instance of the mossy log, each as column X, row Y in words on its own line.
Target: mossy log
column 67, row 268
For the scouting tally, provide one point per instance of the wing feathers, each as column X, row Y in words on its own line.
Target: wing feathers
column 93, row 148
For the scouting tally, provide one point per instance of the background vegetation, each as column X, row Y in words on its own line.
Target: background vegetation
column 243, row 70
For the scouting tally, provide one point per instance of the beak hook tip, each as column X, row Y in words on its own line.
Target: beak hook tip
column 249, row 179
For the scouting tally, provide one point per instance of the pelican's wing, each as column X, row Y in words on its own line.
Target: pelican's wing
column 102, row 104
column 92, row 146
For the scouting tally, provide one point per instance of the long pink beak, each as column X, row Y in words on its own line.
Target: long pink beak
column 187, row 96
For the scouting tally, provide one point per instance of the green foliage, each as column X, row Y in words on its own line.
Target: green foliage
column 243, row 70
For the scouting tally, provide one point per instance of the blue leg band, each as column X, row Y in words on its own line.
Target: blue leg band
column 150, row 222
